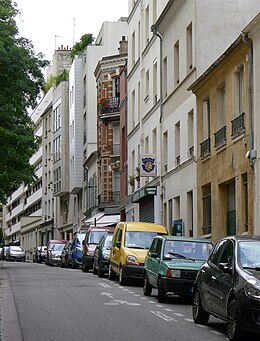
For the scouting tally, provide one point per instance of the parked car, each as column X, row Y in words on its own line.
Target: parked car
column 64, row 255
column 42, row 253
column 50, row 243
column 90, row 242
column 15, row 253
column 101, row 255
column 172, row 264
column 76, row 250
column 228, row 286
column 130, row 243
column 55, row 254
column 1, row 253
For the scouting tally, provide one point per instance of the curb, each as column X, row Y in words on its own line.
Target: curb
column 10, row 329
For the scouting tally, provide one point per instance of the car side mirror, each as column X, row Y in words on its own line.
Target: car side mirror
column 225, row 267
column 154, row 255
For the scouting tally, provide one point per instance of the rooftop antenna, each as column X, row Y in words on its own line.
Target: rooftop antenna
column 73, row 31
column 56, row 36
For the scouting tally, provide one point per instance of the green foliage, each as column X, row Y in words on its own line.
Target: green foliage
column 55, row 81
column 21, row 80
column 78, row 48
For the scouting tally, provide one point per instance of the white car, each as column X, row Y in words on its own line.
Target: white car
column 15, row 253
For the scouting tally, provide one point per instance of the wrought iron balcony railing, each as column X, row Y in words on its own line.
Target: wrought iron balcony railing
column 220, row 137
column 108, row 105
column 205, row 148
column 238, row 125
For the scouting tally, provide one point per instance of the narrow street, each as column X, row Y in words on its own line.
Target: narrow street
column 50, row 303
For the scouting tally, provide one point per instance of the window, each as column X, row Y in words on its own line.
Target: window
column 239, row 93
column 133, row 48
column 189, row 47
column 223, row 253
column 176, row 63
column 57, row 149
column 165, row 150
column 205, row 119
column 133, row 108
column 221, row 106
column 177, row 144
column 154, row 10
column 154, row 141
column 147, row 83
column 206, row 201
column 139, row 102
column 56, row 119
column 139, row 39
column 176, row 206
column 147, row 25
column 190, row 134
column 155, row 97
column 165, row 74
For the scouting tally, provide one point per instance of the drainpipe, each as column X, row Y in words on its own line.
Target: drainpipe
column 248, row 42
column 156, row 33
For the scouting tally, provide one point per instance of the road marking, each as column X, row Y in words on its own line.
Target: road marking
column 163, row 316
column 167, row 309
column 137, row 295
column 159, row 305
column 201, row 326
column 104, row 285
column 107, row 294
column 151, row 302
column 144, row 298
column 215, row 332
column 189, row 320
column 119, row 302
column 178, row 314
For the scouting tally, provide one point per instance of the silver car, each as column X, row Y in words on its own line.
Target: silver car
column 15, row 253
column 55, row 254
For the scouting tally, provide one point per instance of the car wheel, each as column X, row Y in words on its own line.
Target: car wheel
column 100, row 272
column 161, row 292
column 233, row 328
column 121, row 279
column 200, row 316
column 111, row 274
column 95, row 272
column 84, row 267
column 147, row 288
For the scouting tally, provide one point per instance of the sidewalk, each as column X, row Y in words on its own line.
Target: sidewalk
column 10, row 329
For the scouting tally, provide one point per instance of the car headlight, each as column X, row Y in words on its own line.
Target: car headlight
column 131, row 260
column 252, row 289
column 173, row 273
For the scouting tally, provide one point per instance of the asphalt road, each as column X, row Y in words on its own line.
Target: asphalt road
column 39, row 302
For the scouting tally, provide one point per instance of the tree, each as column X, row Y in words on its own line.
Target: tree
column 78, row 48
column 21, row 80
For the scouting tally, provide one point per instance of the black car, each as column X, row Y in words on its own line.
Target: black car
column 228, row 286
column 65, row 254
column 101, row 255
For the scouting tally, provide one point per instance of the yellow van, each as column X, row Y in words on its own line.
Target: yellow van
column 130, row 244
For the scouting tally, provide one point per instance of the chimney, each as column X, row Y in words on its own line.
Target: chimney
column 123, row 46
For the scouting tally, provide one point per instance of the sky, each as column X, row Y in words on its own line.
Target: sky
column 52, row 23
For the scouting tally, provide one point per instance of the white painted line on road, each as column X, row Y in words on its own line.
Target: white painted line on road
column 105, row 285
column 189, row 320
column 163, row 316
column 107, row 294
column 151, row 302
column 159, row 305
column 144, row 298
column 178, row 314
column 215, row 332
column 125, row 289
column 131, row 292
column 119, row 302
column 167, row 309
column 201, row 326
column 137, row 295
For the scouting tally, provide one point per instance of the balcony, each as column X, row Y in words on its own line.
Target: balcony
column 238, row 125
column 220, row 137
column 112, row 198
column 115, row 150
column 108, row 106
column 205, row 148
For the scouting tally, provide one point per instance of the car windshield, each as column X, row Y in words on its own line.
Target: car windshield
column 249, row 254
column 80, row 238
column 95, row 237
column 187, row 249
column 16, row 248
column 108, row 240
column 139, row 239
column 57, row 247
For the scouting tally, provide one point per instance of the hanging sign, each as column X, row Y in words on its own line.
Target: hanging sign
column 148, row 165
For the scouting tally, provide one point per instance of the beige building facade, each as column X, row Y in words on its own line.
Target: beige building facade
column 225, row 177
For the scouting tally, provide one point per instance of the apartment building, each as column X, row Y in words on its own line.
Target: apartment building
column 224, row 174
column 163, row 62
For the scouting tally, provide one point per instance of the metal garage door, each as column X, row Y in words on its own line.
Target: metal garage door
column 146, row 209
